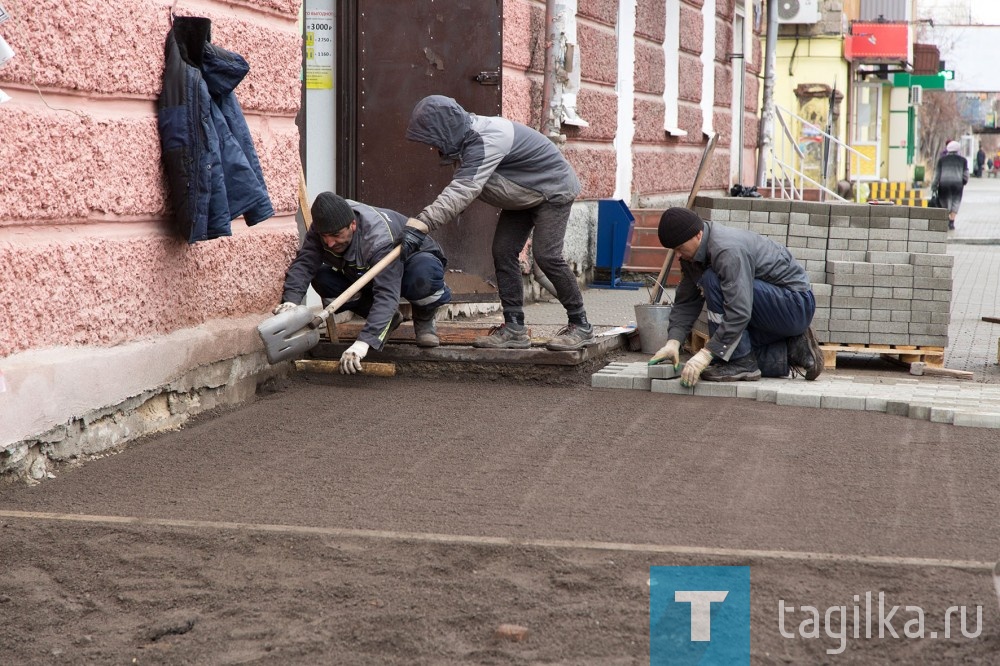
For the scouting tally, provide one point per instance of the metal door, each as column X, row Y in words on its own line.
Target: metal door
column 394, row 53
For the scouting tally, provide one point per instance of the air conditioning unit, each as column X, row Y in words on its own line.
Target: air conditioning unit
column 798, row 11
column 916, row 95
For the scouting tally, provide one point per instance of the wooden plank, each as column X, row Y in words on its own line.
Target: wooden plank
column 697, row 341
column 919, row 369
column 883, row 349
column 462, row 354
column 373, row 368
column 903, row 354
column 449, row 334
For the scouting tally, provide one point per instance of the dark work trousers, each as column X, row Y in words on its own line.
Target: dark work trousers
column 423, row 286
column 549, row 224
column 777, row 314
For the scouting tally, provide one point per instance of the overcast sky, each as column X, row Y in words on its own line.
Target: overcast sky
column 968, row 34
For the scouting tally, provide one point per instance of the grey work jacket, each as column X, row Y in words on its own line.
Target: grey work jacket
column 499, row 161
column 738, row 257
column 379, row 230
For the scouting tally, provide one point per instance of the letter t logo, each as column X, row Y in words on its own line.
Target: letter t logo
column 701, row 610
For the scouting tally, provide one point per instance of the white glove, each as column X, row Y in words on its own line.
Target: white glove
column 284, row 307
column 694, row 367
column 668, row 352
column 350, row 360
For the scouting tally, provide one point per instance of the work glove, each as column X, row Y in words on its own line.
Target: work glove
column 284, row 307
column 668, row 352
column 413, row 238
column 694, row 367
column 350, row 360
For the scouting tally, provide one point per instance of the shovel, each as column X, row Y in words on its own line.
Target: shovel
column 295, row 332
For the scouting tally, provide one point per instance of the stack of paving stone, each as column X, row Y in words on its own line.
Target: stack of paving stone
column 880, row 274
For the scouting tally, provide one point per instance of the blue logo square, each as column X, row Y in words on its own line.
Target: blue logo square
column 699, row 615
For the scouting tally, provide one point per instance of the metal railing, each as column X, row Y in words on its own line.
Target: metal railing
column 788, row 177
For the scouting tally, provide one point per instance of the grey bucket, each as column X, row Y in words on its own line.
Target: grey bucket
column 651, row 322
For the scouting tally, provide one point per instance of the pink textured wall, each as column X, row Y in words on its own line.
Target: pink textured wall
column 603, row 11
column 523, row 60
column 599, row 53
column 83, row 239
column 662, row 164
column 73, row 288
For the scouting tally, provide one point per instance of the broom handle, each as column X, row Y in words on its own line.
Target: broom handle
column 358, row 285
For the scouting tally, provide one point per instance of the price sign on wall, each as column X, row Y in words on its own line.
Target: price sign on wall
column 319, row 49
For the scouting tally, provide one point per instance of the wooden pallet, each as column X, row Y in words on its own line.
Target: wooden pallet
column 932, row 356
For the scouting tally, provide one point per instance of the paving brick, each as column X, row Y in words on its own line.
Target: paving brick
column 898, row 407
column 875, row 404
column 662, row 371
column 796, row 399
column 942, row 415
column 610, row 380
column 978, row 420
column 842, row 402
column 670, row 386
column 716, row 389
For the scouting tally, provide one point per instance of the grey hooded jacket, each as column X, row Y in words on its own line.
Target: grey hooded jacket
column 738, row 257
column 499, row 161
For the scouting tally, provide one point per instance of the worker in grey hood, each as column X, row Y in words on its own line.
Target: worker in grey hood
column 517, row 169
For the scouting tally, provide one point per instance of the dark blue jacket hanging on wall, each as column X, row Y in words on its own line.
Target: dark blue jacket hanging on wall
column 213, row 174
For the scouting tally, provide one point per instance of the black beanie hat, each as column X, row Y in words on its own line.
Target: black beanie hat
column 677, row 226
column 331, row 213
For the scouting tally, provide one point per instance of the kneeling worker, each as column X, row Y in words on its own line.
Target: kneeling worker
column 345, row 240
column 759, row 300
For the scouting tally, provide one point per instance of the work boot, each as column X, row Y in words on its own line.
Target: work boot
column 397, row 319
column 804, row 355
column 737, row 370
column 504, row 336
column 572, row 336
column 424, row 331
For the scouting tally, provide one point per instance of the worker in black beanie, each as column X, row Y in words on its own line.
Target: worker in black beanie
column 345, row 240
column 759, row 300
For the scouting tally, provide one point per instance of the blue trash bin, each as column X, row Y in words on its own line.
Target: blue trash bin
column 614, row 228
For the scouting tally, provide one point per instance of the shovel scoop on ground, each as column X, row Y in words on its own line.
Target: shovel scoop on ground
column 290, row 334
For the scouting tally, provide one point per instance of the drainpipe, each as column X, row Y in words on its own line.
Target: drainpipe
column 766, row 131
column 548, row 75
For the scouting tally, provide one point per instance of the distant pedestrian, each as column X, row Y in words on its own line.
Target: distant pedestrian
column 950, row 177
column 980, row 161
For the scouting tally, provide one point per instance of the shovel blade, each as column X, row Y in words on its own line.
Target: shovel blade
column 288, row 335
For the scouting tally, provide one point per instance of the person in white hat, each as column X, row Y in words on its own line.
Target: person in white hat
column 950, row 176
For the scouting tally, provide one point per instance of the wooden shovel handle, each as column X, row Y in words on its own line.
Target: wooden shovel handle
column 661, row 279
column 358, row 285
